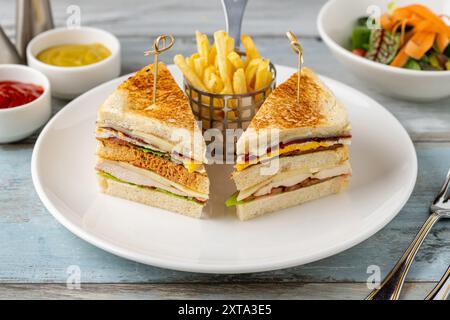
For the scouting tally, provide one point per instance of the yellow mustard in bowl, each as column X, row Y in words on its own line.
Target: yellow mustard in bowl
column 74, row 55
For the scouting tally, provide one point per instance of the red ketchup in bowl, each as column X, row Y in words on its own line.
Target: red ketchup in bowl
column 15, row 93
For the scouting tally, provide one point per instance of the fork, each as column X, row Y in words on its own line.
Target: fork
column 392, row 285
column 442, row 289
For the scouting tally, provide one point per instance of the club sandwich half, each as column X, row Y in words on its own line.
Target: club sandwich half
column 152, row 153
column 292, row 152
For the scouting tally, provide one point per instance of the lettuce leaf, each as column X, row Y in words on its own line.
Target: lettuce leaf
column 383, row 46
column 154, row 152
column 110, row 176
column 232, row 201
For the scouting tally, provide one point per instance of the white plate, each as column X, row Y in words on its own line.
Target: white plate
column 384, row 173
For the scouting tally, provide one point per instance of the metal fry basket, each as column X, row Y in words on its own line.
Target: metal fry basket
column 227, row 111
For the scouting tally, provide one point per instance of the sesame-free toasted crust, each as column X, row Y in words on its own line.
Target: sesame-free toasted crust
column 150, row 197
column 172, row 106
column 177, row 173
column 317, row 114
column 271, row 203
column 282, row 111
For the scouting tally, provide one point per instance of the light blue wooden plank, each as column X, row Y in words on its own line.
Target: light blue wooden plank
column 144, row 17
column 296, row 291
column 35, row 248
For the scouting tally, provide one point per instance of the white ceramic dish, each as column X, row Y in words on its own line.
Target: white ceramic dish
column 335, row 22
column 20, row 122
column 384, row 164
column 67, row 83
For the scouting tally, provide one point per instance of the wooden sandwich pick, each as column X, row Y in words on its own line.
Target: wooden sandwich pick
column 160, row 45
column 299, row 50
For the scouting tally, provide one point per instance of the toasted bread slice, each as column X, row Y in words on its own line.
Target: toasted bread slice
column 171, row 119
column 318, row 114
column 271, row 203
column 150, row 197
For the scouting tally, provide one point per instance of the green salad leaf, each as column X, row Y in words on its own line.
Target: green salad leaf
column 232, row 201
column 362, row 21
column 154, row 152
column 110, row 176
column 360, row 37
column 176, row 195
column 412, row 64
column 383, row 46
column 392, row 6
column 447, row 51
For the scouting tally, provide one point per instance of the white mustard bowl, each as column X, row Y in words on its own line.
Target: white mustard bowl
column 69, row 82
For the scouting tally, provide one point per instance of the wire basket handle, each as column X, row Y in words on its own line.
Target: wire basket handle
column 234, row 12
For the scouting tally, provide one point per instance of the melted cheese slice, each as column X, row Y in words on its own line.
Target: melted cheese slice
column 293, row 147
column 192, row 166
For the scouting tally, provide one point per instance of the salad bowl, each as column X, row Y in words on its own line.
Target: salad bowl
column 335, row 23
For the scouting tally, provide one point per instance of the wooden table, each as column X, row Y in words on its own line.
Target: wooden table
column 35, row 250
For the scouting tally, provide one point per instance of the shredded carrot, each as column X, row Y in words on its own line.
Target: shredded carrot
column 386, row 21
column 424, row 25
column 403, row 32
column 442, row 42
column 427, row 29
column 427, row 14
column 419, row 44
column 401, row 59
column 401, row 14
column 395, row 26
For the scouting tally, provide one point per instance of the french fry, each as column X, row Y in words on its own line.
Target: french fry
column 235, row 60
column 217, row 68
column 230, row 44
column 199, row 66
column 261, row 75
column 222, row 63
column 231, row 115
column 203, row 47
column 250, row 48
column 207, row 73
column 250, row 72
column 212, row 81
column 239, row 82
column 212, row 55
column 218, row 83
column 268, row 78
column 190, row 63
column 189, row 73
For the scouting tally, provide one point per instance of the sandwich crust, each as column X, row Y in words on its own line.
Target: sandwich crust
column 271, row 203
column 131, row 107
column 112, row 150
column 150, row 197
column 281, row 109
column 318, row 114
column 172, row 106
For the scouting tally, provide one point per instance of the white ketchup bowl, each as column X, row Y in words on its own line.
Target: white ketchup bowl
column 19, row 122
